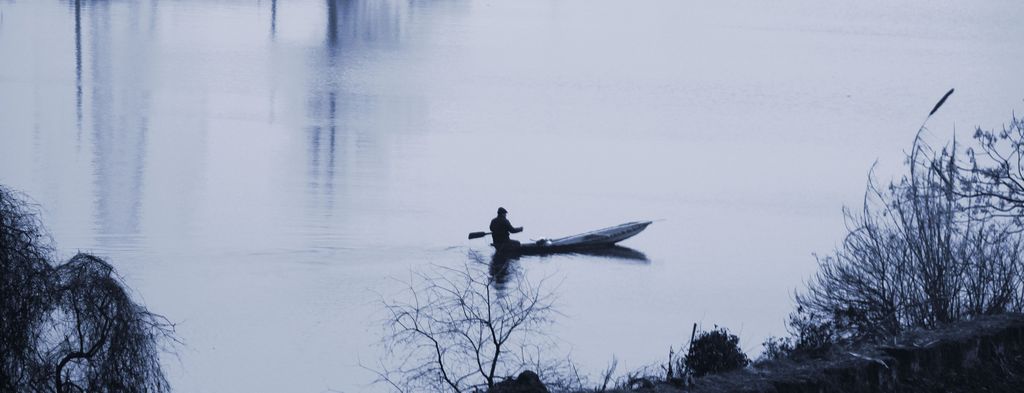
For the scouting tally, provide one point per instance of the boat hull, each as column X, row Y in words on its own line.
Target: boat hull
column 601, row 238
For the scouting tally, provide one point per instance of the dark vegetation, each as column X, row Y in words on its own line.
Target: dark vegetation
column 940, row 245
column 73, row 326
column 923, row 294
column 715, row 351
column 981, row 355
column 935, row 249
column 925, row 291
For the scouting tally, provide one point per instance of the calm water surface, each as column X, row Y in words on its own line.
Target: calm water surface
column 259, row 170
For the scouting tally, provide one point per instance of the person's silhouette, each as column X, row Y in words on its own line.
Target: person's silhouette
column 500, row 230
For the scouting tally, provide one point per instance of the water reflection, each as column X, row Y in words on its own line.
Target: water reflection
column 322, row 144
column 618, row 253
column 119, row 119
column 362, row 22
column 273, row 19
column 78, row 70
column 345, row 117
column 503, row 266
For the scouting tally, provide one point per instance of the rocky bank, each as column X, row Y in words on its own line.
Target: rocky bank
column 984, row 355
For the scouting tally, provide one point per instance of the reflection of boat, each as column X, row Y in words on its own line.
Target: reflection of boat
column 616, row 252
column 589, row 241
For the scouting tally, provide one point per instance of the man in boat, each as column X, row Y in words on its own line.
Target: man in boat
column 500, row 230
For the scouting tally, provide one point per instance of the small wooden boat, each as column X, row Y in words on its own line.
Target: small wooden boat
column 600, row 238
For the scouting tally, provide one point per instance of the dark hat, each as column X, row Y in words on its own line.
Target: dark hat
column 502, row 210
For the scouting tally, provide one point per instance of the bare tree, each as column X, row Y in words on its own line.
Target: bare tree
column 458, row 333
column 71, row 327
column 25, row 287
column 102, row 341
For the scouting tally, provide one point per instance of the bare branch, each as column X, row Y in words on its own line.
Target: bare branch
column 455, row 333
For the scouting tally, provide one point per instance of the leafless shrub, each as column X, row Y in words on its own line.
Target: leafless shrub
column 775, row 348
column 608, row 374
column 917, row 254
column 642, row 378
column 72, row 327
column 558, row 374
column 458, row 333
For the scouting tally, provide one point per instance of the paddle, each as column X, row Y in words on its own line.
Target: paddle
column 477, row 235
